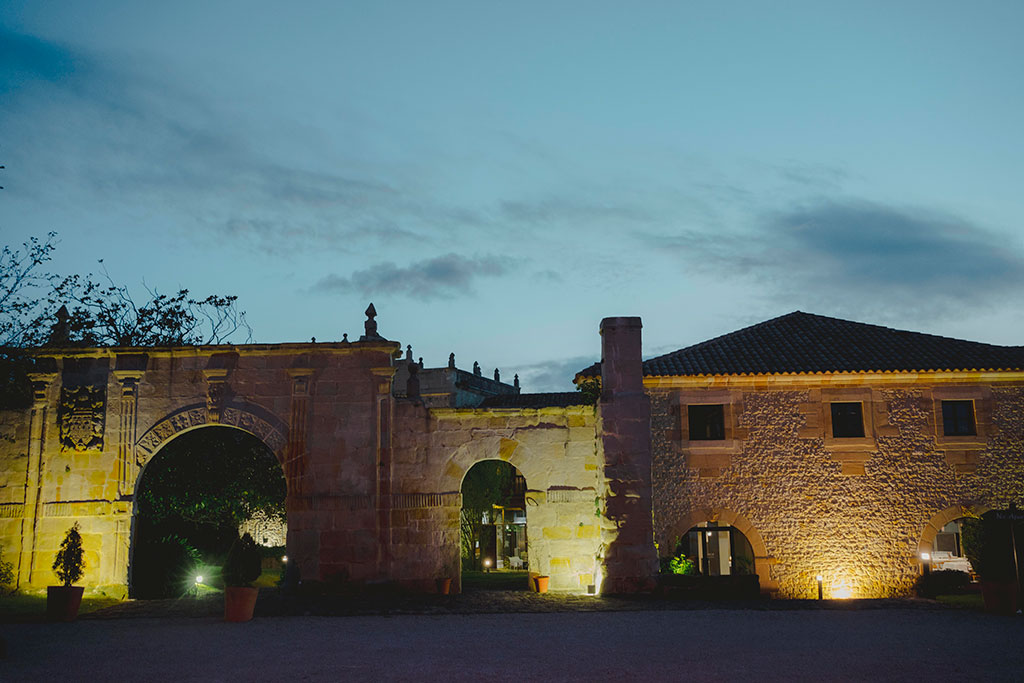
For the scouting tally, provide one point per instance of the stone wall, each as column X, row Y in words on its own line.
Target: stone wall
column 555, row 449
column 858, row 512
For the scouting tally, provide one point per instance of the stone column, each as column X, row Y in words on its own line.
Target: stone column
column 32, row 511
column 384, row 377
column 127, row 469
column 630, row 560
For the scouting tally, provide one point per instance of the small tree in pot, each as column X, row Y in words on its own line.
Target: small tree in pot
column 62, row 602
column 242, row 566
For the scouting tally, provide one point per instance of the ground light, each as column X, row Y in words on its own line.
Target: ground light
column 199, row 582
column 926, row 562
column 820, row 578
column 487, row 564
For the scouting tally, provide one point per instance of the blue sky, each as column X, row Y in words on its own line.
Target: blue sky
column 497, row 178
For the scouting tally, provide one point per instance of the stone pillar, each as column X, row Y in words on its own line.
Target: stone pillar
column 630, row 561
column 384, row 377
column 127, row 468
column 34, row 475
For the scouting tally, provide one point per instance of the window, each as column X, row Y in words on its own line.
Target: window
column 847, row 420
column 707, row 422
column 958, row 418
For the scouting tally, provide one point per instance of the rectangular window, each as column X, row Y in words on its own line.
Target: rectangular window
column 847, row 420
column 707, row 422
column 958, row 418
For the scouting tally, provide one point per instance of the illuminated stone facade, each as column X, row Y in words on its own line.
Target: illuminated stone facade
column 374, row 474
column 374, row 467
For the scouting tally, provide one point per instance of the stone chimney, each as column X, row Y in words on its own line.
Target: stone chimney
column 630, row 559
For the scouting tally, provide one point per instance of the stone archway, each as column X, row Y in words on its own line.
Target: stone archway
column 242, row 416
column 493, row 522
column 724, row 517
column 926, row 542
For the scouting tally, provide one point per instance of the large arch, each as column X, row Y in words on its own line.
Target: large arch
column 257, row 423
column 726, row 517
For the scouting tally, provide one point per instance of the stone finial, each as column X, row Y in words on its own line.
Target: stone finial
column 476, row 368
column 60, row 333
column 408, row 352
column 497, row 375
column 370, row 325
column 451, row 360
column 515, row 380
column 312, row 340
column 421, row 362
column 344, row 337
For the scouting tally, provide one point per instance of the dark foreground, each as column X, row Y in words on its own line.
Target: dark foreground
column 885, row 643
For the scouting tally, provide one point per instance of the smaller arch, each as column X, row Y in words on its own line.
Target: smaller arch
column 941, row 519
column 489, row 448
column 726, row 517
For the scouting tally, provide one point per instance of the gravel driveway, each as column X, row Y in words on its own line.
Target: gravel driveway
column 713, row 644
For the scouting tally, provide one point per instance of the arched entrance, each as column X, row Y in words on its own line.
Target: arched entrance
column 200, row 490
column 493, row 541
column 947, row 539
column 717, row 550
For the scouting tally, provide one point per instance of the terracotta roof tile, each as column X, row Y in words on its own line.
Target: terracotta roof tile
column 807, row 343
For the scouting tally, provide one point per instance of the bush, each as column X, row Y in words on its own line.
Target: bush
column 6, row 574
column 680, row 564
column 69, row 565
column 164, row 568
column 244, row 563
column 942, row 582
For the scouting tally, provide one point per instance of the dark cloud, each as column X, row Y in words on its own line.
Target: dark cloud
column 442, row 277
column 857, row 257
column 24, row 59
column 553, row 375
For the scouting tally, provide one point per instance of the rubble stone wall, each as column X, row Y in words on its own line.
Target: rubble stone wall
column 859, row 511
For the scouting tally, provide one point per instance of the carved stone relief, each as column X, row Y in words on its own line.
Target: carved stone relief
column 82, row 417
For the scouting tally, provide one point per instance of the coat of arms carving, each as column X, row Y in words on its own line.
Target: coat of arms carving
column 82, row 415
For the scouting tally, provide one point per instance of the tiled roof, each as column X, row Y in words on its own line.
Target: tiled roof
column 553, row 400
column 806, row 343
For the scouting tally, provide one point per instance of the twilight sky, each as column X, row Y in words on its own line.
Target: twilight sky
column 497, row 177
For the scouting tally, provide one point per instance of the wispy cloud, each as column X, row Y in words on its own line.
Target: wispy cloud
column 553, row 375
column 442, row 277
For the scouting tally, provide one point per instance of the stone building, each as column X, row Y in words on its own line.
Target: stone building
column 799, row 447
column 832, row 448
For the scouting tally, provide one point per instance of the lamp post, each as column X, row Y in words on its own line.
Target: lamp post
column 926, row 563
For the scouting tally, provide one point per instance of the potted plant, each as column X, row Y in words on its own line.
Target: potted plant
column 62, row 602
column 444, row 582
column 242, row 566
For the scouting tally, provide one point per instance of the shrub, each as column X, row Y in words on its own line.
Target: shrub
column 680, row 564
column 6, row 574
column 942, row 582
column 244, row 563
column 69, row 565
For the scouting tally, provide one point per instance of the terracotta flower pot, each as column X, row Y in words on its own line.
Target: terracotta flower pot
column 239, row 602
column 542, row 583
column 1000, row 596
column 444, row 585
column 62, row 602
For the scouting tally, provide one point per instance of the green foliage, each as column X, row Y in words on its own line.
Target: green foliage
column 215, row 476
column 590, row 387
column 487, row 483
column 98, row 313
column 6, row 574
column 243, row 564
column 942, row 582
column 680, row 564
column 69, row 565
column 971, row 534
